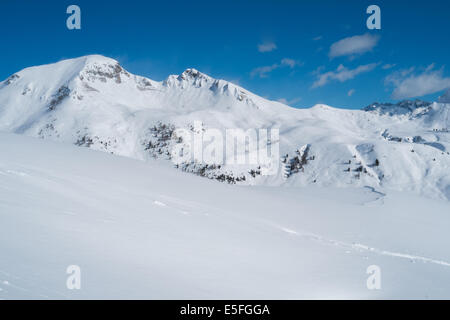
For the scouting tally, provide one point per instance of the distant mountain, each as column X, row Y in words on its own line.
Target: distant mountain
column 93, row 102
column 406, row 107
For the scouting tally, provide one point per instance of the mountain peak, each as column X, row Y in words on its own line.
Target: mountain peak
column 189, row 77
column 194, row 74
column 97, row 58
column 64, row 71
column 76, row 64
column 97, row 67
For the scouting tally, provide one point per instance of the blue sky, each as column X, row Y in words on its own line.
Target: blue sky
column 283, row 50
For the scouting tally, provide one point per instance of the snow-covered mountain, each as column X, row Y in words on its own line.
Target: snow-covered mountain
column 407, row 107
column 92, row 101
column 142, row 229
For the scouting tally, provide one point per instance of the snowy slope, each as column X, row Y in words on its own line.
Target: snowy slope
column 143, row 230
column 92, row 101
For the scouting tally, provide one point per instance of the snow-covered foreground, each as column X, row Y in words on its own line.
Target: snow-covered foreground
column 143, row 230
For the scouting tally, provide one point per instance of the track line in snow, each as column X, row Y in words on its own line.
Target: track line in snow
column 176, row 208
column 363, row 247
column 9, row 287
column 69, row 213
column 159, row 203
column 14, row 172
column 184, row 207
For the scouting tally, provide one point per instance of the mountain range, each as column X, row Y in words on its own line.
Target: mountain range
column 92, row 101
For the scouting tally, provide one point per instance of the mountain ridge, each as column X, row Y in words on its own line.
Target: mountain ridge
column 93, row 102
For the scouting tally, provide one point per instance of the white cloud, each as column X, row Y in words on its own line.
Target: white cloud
column 317, row 38
column 289, row 102
column 353, row 45
column 351, row 92
column 267, row 46
column 341, row 74
column 291, row 63
column 408, row 84
column 388, row 66
column 263, row 72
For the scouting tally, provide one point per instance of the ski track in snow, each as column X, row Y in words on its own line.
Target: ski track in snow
column 8, row 286
column 363, row 247
column 13, row 172
column 159, row 203
column 353, row 246
column 183, row 206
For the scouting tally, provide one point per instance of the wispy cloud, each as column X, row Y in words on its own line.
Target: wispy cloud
column 267, row 46
column 409, row 84
column 264, row 71
column 289, row 102
column 341, row 74
column 352, row 46
column 290, row 63
column 317, row 38
column 388, row 66
column 351, row 92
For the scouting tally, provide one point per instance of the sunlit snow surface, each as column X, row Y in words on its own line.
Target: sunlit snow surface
column 144, row 230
